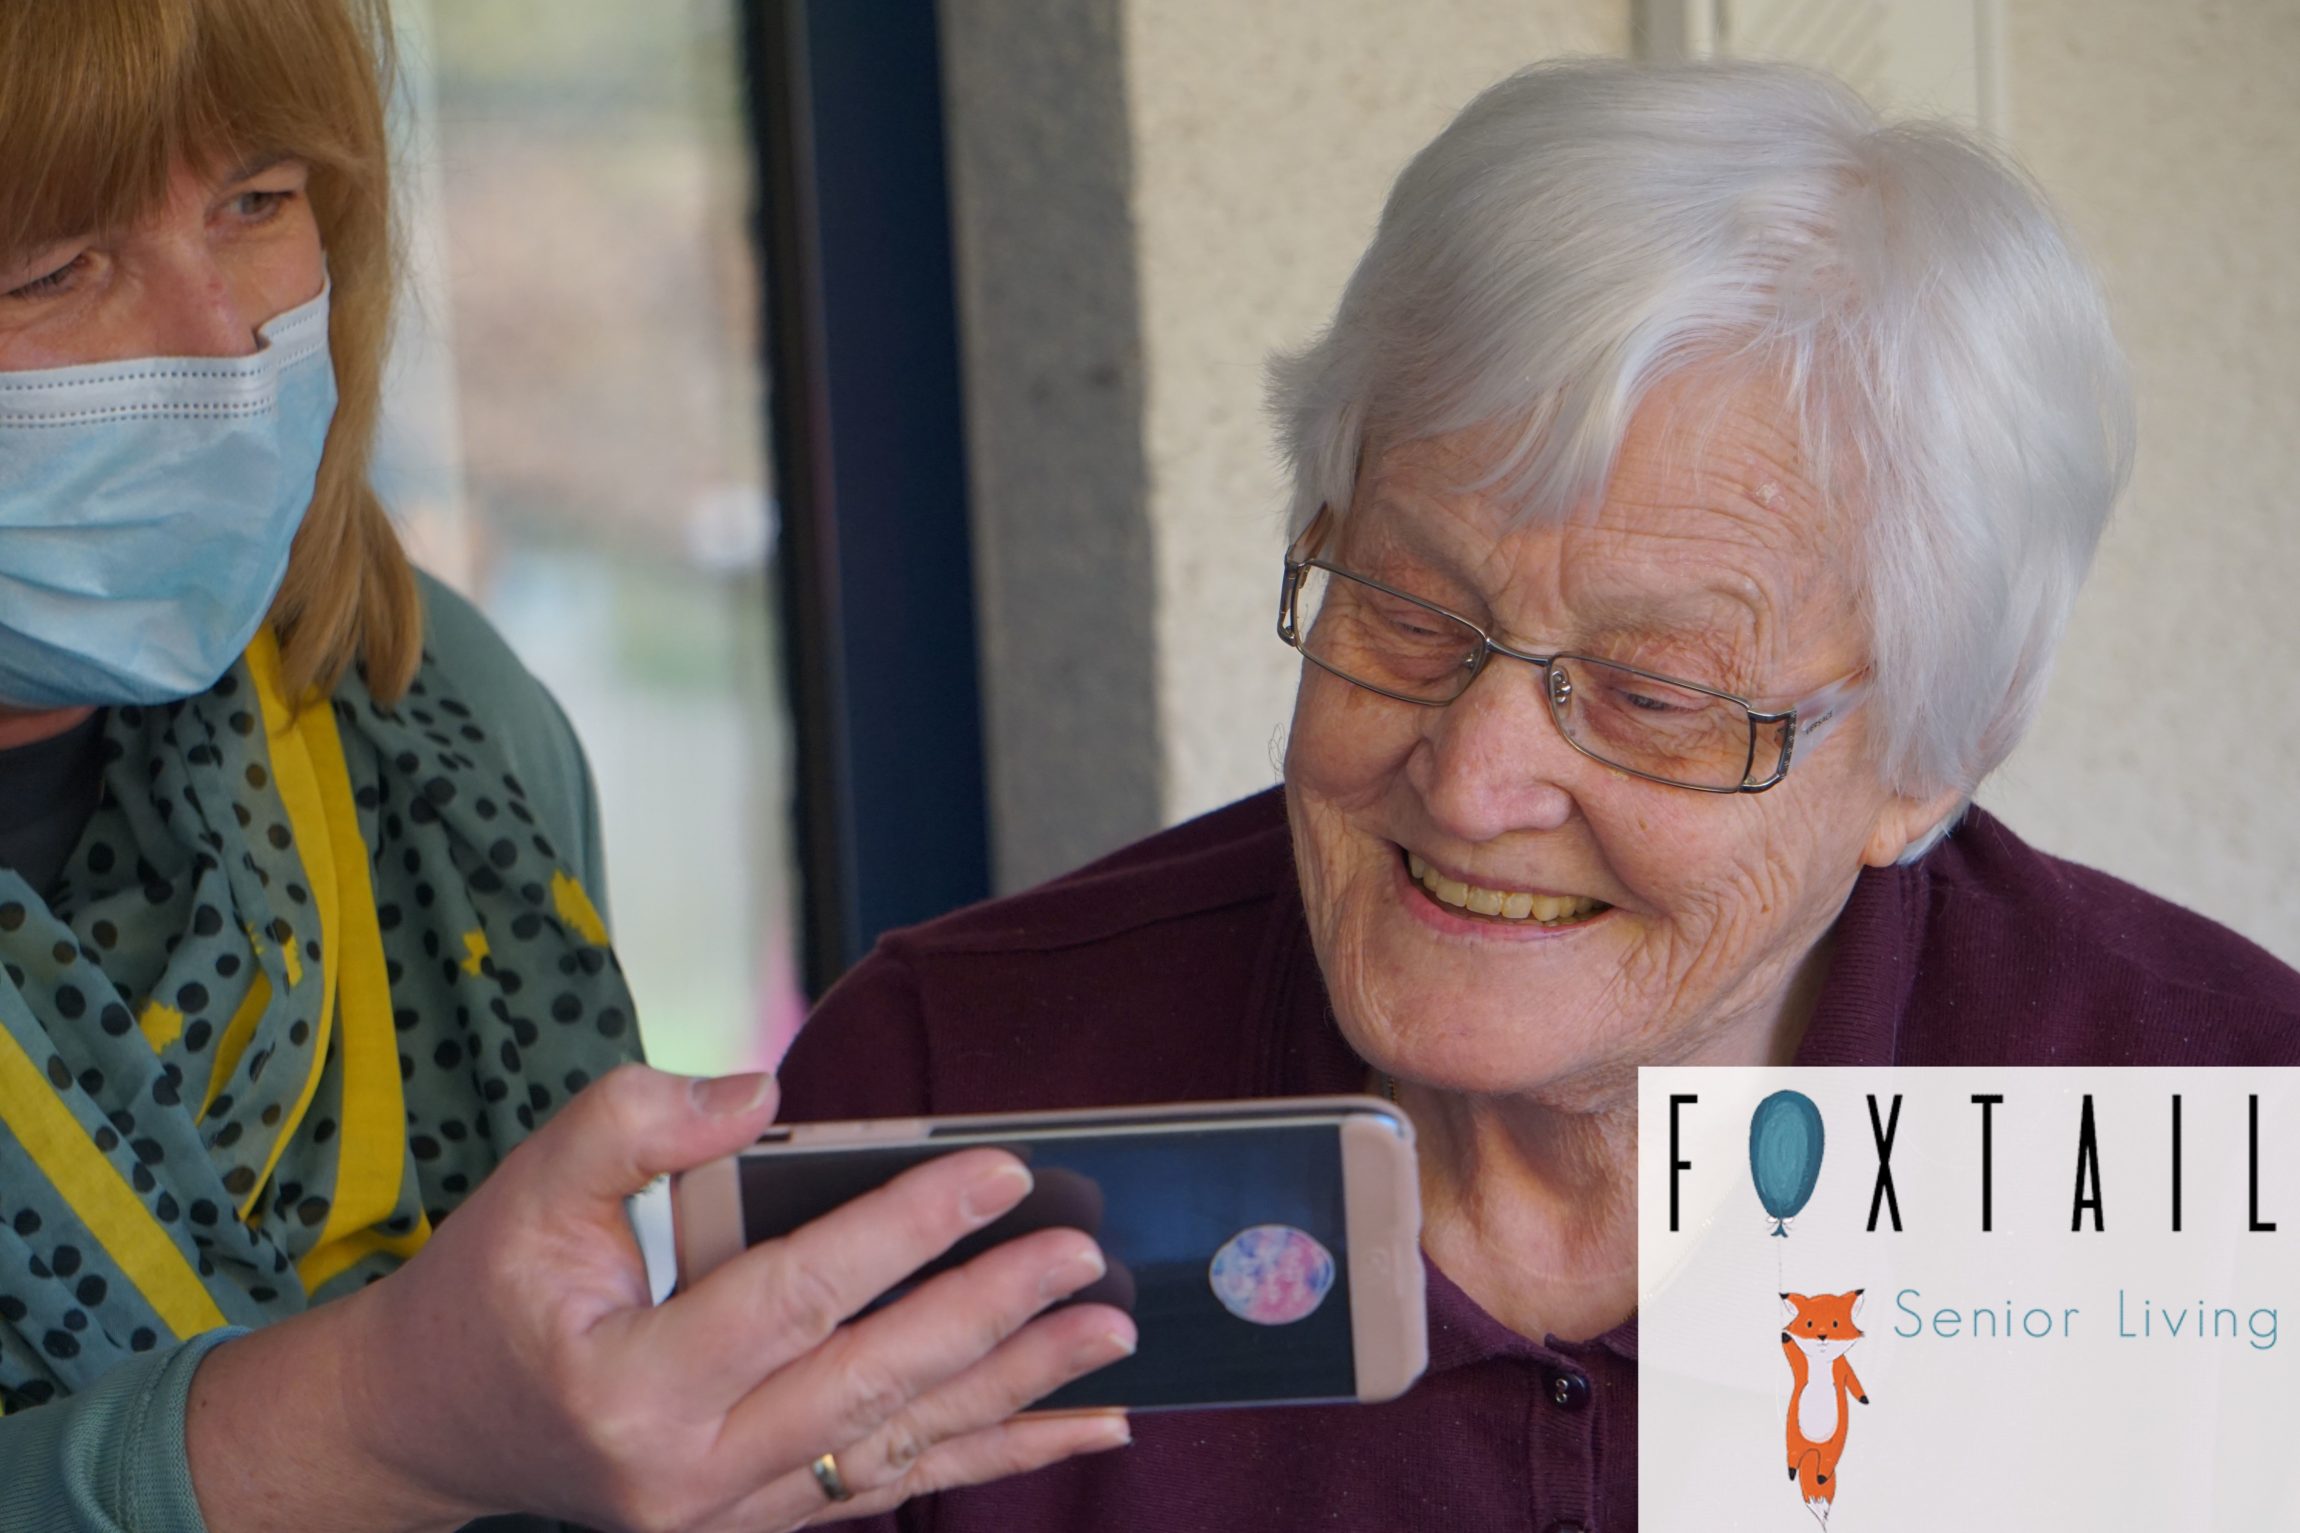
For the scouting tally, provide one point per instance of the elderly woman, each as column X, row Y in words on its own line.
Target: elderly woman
column 294, row 939
column 1688, row 495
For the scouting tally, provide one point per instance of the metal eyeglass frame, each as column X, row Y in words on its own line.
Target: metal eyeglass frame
column 1830, row 703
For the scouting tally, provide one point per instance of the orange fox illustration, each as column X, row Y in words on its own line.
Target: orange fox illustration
column 1820, row 1331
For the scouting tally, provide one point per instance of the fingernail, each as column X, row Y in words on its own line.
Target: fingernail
column 1120, row 1431
column 1100, row 1351
column 1072, row 1273
column 994, row 1192
column 727, row 1096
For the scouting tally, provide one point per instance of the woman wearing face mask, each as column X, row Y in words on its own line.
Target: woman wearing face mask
column 295, row 939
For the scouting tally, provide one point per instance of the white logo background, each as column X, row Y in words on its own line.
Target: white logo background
column 2092, row 1425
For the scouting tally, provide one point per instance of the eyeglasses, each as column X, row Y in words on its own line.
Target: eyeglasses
column 1656, row 727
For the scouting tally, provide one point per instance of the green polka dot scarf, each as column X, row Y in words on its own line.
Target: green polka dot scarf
column 305, row 979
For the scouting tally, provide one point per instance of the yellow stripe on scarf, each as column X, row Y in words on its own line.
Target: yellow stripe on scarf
column 100, row 1196
column 288, row 732
column 234, row 1042
column 373, row 1153
column 308, row 767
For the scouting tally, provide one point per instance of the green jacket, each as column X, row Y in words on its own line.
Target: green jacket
column 112, row 1457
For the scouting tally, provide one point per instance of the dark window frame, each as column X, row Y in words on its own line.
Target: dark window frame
column 865, row 415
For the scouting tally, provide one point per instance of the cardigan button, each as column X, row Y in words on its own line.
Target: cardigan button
column 1568, row 1391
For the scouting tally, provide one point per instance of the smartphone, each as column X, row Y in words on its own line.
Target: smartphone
column 1269, row 1251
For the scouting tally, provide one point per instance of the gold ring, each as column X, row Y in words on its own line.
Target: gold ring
column 826, row 1473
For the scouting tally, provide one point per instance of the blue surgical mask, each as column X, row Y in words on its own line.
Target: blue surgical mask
column 146, row 513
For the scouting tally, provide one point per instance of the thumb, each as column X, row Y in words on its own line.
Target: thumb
column 635, row 1124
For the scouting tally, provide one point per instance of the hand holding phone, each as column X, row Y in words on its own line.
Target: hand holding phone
column 1268, row 1251
column 515, row 1365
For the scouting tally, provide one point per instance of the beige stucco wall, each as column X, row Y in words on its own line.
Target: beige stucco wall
column 1039, row 146
column 2169, row 750
column 1263, row 139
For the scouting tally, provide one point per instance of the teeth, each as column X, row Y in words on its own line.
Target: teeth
column 1545, row 908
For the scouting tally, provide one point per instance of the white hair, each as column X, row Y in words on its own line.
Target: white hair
column 1584, row 229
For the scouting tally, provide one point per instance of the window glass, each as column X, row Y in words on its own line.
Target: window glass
column 575, row 438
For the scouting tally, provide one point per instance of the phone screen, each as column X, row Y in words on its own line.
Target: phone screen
column 1228, row 1245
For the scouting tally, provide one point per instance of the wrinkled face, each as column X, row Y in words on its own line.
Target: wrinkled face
column 1710, row 559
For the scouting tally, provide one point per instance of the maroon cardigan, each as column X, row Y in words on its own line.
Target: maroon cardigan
column 1180, row 969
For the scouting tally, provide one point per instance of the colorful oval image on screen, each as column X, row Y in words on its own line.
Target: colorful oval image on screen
column 1271, row 1274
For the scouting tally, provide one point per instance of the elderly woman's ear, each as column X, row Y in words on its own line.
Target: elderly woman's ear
column 1909, row 824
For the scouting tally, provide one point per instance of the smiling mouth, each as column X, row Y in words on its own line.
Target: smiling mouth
column 1509, row 906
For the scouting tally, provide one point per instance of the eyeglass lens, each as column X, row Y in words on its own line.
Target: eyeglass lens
column 1408, row 649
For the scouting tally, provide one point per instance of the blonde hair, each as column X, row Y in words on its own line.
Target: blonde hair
column 100, row 99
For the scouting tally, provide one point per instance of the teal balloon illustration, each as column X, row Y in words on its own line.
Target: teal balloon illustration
column 1785, row 1145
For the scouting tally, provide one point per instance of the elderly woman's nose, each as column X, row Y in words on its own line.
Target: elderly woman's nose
column 1493, row 762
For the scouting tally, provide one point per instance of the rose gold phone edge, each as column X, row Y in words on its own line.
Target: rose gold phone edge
column 1381, row 1191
